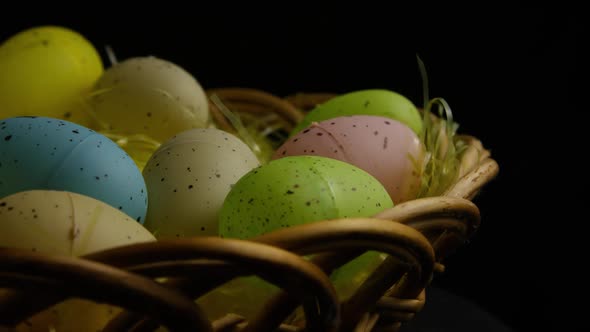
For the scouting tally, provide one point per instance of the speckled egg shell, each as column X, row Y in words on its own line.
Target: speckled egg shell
column 205, row 135
column 46, row 153
column 65, row 223
column 297, row 190
column 151, row 96
column 378, row 102
column 302, row 189
column 188, row 179
column 69, row 224
column 385, row 148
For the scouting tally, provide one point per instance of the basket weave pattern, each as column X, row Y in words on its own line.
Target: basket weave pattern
column 416, row 236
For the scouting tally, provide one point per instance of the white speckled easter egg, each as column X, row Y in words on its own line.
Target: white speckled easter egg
column 188, row 178
column 385, row 148
column 69, row 224
column 47, row 153
column 149, row 96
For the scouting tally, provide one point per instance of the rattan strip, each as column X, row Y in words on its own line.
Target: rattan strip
column 101, row 282
column 377, row 235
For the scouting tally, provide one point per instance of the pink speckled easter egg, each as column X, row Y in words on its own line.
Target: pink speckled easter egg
column 383, row 147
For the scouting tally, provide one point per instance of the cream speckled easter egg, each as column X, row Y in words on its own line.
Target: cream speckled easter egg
column 149, row 96
column 69, row 224
column 188, row 178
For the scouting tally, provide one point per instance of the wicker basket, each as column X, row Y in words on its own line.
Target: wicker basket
column 416, row 235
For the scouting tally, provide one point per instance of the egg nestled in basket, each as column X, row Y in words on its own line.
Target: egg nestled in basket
column 53, row 154
column 378, row 102
column 385, row 148
column 149, row 96
column 143, row 101
column 188, row 178
column 69, row 224
column 288, row 192
column 47, row 71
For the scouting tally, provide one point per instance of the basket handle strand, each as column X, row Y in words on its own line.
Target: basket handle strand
column 273, row 264
column 395, row 239
column 80, row 278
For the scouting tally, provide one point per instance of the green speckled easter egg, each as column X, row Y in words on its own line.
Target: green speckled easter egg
column 377, row 102
column 297, row 190
column 301, row 189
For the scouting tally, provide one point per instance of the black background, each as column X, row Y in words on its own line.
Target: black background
column 507, row 72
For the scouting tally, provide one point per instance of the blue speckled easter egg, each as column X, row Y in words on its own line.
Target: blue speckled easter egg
column 53, row 154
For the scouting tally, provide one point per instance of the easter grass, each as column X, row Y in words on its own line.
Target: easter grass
column 439, row 168
column 441, row 165
column 255, row 131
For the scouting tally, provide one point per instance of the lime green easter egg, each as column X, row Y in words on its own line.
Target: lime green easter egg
column 302, row 189
column 297, row 190
column 376, row 102
column 46, row 71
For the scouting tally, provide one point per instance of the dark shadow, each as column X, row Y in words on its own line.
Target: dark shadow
column 447, row 312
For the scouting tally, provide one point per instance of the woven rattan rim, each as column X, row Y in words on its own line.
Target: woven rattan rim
column 82, row 278
column 417, row 235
